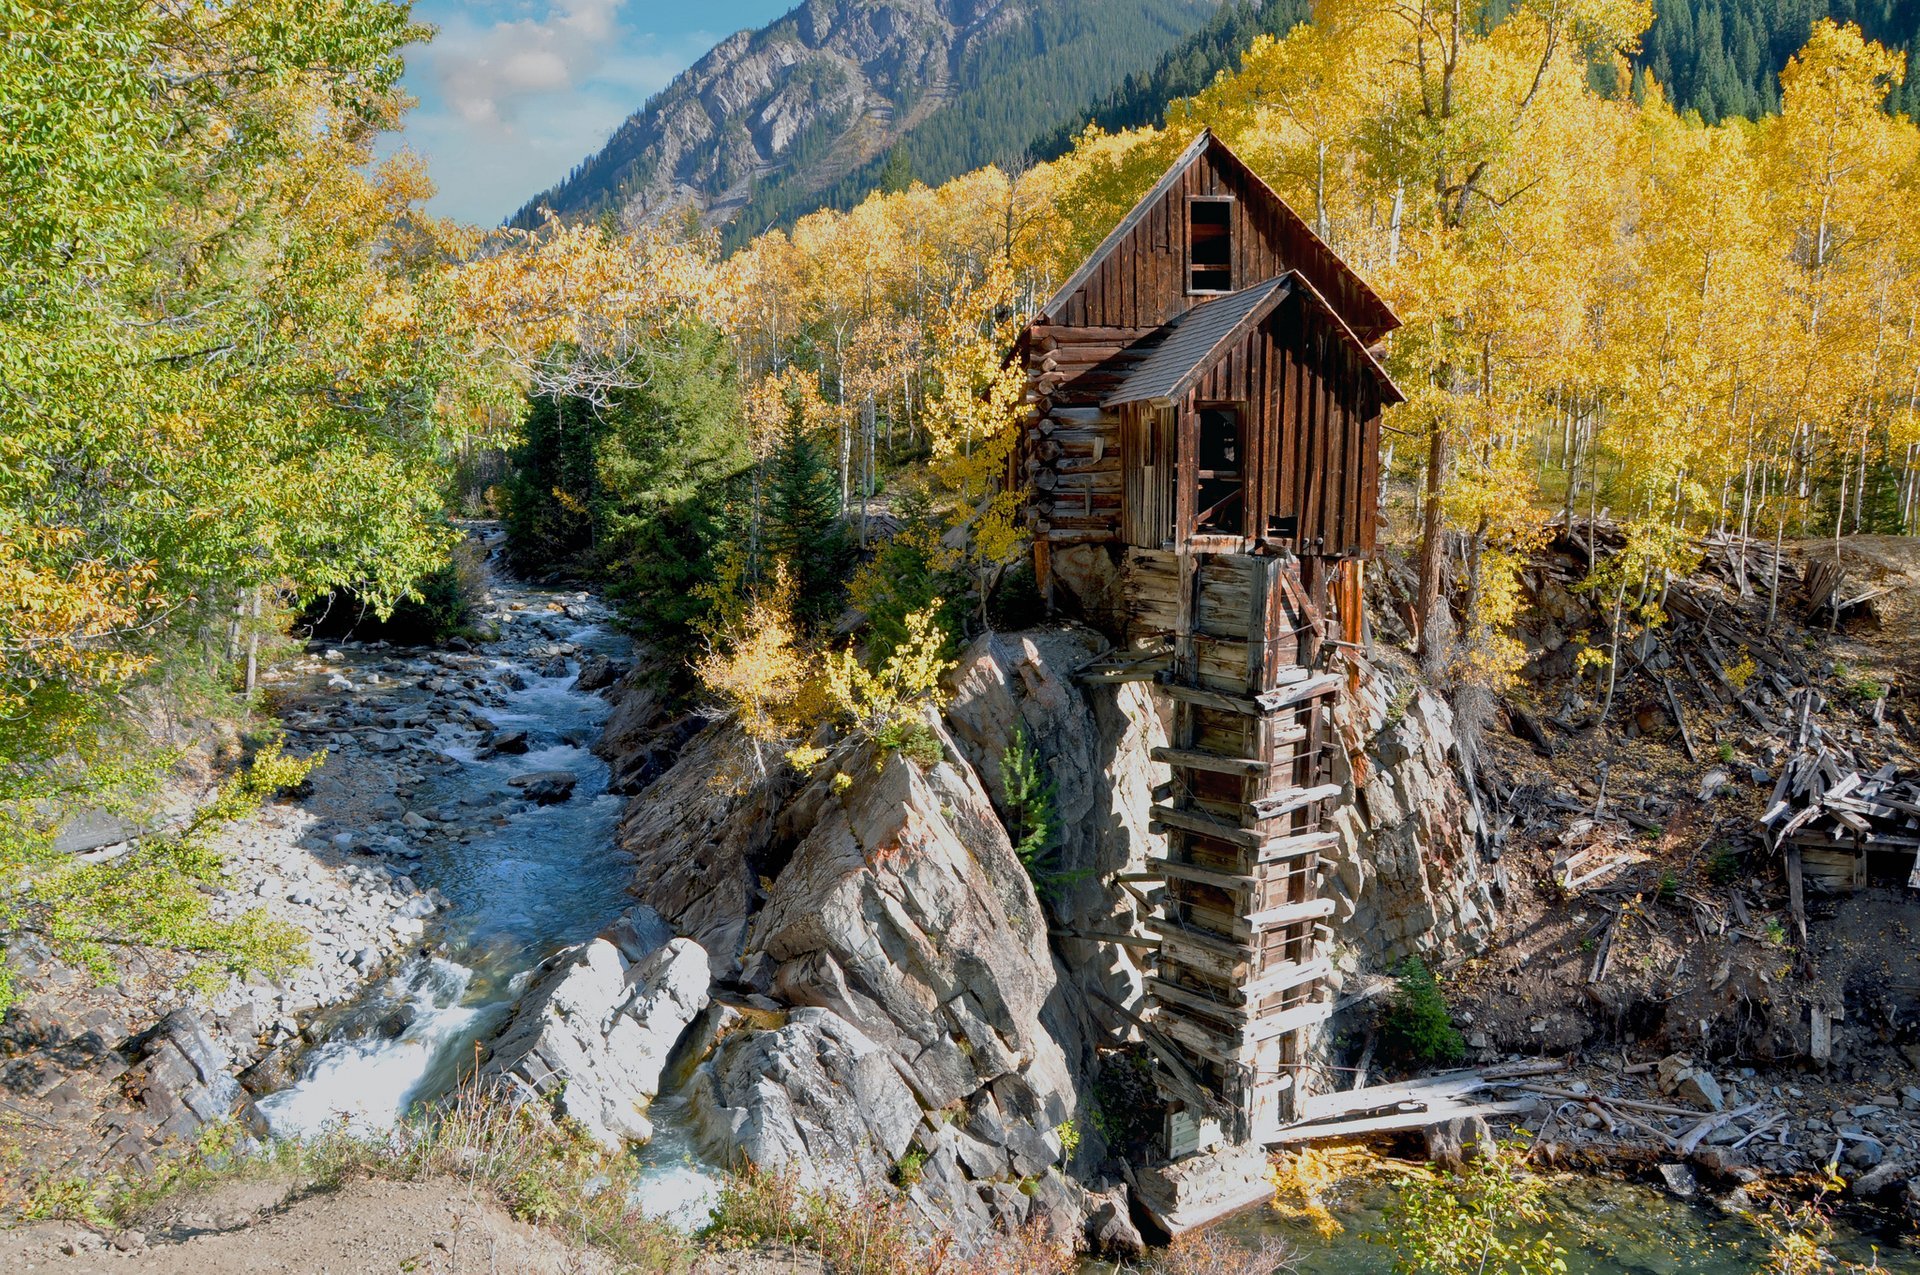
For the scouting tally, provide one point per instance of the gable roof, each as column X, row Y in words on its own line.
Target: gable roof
column 1196, row 341
column 1374, row 316
column 1201, row 337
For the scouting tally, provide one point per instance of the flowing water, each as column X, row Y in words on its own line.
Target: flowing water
column 551, row 877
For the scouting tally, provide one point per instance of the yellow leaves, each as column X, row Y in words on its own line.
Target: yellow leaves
column 62, row 615
column 907, row 681
column 757, row 667
column 569, row 307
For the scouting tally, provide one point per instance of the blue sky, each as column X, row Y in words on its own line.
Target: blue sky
column 514, row 93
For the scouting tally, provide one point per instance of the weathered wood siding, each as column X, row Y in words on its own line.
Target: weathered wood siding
column 1142, row 283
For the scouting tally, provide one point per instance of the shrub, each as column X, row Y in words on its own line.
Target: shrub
column 1486, row 1219
column 1416, row 1026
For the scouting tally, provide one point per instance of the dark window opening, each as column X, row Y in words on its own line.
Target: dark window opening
column 1210, row 245
column 1221, row 481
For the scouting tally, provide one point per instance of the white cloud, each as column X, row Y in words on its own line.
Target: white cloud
column 513, row 97
column 486, row 74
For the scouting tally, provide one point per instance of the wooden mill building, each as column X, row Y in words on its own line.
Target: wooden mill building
column 1208, row 395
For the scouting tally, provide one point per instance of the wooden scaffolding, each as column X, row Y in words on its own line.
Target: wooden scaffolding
column 1239, row 967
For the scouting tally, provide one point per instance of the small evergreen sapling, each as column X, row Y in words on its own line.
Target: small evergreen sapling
column 1417, row 1026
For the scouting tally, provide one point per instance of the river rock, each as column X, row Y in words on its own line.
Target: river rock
column 555, row 667
column 596, row 673
column 594, row 1034
column 1679, row 1180
column 814, row 1097
column 507, row 741
column 182, row 1076
column 1110, row 1229
column 1452, row 1143
column 546, row 787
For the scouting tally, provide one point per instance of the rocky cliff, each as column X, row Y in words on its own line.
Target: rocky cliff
column 891, row 985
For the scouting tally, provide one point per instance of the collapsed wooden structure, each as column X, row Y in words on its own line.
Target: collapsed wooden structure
column 1833, row 820
column 1207, row 394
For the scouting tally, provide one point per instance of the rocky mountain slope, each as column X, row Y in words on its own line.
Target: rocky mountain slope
column 841, row 96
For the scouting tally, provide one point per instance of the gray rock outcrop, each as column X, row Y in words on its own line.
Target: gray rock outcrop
column 594, row 1034
column 900, row 932
column 815, row 1098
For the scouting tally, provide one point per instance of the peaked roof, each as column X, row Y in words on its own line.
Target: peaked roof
column 1201, row 337
column 1377, row 318
column 1196, row 341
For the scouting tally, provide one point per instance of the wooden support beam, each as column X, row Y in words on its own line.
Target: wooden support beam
column 1289, row 914
column 1217, row 763
column 1299, row 692
column 1173, row 868
column 1285, row 975
column 1290, row 1020
column 1173, row 934
column 1288, row 801
column 1205, row 825
column 1276, row 849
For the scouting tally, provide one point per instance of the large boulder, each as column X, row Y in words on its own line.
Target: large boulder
column 815, row 1098
column 901, row 933
column 594, row 1034
column 905, row 911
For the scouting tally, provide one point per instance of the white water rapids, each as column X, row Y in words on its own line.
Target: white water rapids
column 550, row 878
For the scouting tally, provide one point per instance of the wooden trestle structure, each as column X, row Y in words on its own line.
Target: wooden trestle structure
column 1207, row 394
column 1239, row 967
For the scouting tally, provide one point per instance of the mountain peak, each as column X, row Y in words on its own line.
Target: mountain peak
column 771, row 123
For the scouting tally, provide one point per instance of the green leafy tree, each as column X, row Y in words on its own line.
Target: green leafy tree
column 1489, row 1218
column 1033, row 817
column 1417, row 1026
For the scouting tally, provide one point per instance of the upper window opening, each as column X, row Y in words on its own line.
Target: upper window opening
column 1210, row 245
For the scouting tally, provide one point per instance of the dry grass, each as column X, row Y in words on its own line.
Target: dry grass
column 550, row 1174
column 873, row 1235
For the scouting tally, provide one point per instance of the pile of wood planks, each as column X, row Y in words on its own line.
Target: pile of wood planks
column 1828, row 811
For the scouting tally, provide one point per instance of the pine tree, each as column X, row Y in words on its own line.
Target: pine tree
column 804, row 527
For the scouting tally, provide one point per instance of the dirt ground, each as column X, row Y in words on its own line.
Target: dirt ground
column 438, row 1227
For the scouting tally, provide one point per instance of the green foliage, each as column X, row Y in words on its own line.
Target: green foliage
column 1668, row 889
column 1069, row 1133
column 1416, row 1026
column 904, row 578
column 906, row 1173
column 1723, row 57
column 229, row 361
column 441, row 605
column 913, row 739
column 634, row 492
column 803, row 524
column 1487, row 1219
column 1033, row 817
column 157, row 895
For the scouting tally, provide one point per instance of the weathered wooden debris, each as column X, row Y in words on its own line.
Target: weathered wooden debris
column 1828, row 811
